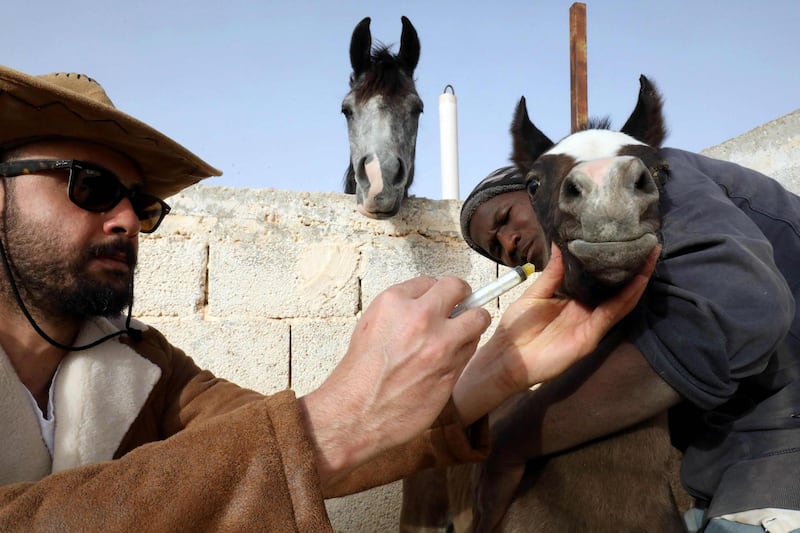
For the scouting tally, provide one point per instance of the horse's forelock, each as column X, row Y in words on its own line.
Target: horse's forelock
column 385, row 77
column 595, row 123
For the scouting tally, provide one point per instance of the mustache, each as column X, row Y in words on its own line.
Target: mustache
column 120, row 248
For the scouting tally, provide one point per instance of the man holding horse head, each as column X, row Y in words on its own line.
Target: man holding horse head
column 107, row 426
column 716, row 338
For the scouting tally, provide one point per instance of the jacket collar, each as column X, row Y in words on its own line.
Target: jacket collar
column 98, row 393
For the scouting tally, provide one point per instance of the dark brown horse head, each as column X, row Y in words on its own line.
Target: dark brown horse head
column 596, row 193
column 382, row 111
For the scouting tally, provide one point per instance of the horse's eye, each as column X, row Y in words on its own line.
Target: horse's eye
column 347, row 112
column 532, row 186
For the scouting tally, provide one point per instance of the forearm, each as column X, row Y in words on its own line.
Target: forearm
column 350, row 453
column 349, row 457
column 445, row 443
column 339, row 444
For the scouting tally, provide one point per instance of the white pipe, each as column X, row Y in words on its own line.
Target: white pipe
column 448, row 141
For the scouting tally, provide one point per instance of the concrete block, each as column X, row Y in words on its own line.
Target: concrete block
column 317, row 347
column 252, row 353
column 170, row 278
column 282, row 279
column 390, row 260
column 376, row 509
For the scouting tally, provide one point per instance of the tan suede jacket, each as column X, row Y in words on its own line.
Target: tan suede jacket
column 147, row 441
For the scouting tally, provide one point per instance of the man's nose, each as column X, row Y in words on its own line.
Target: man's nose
column 122, row 219
column 508, row 239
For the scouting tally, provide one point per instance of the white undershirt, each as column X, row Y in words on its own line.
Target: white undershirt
column 47, row 422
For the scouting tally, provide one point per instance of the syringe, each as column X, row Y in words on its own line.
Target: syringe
column 489, row 292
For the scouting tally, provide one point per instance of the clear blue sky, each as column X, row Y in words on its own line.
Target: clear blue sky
column 255, row 87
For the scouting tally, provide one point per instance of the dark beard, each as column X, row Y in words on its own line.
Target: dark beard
column 89, row 298
column 54, row 284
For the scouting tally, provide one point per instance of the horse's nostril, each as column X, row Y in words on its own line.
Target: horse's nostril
column 361, row 173
column 644, row 182
column 398, row 178
column 571, row 189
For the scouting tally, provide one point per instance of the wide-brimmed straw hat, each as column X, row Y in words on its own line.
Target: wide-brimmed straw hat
column 74, row 106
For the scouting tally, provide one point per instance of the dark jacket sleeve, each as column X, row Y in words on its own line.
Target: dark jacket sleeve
column 717, row 305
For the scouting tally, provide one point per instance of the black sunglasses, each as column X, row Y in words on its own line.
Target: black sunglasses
column 94, row 188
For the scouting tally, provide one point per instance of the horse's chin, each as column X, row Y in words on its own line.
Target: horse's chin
column 378, row 215
column 613, row 263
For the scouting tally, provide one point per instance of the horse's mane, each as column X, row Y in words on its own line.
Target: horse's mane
column 386, row 75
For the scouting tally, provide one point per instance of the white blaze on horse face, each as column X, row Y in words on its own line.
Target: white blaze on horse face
column 593, row 144
column 373, row 170
column 370, row 133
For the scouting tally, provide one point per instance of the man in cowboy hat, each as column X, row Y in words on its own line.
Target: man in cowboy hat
column 108, row 427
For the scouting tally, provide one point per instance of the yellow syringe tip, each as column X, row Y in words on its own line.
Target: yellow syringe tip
column 528, row 268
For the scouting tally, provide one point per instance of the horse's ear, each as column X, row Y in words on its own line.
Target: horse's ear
column 409, row 47
column 361, row 47
column 528, row 142
column 646, row 123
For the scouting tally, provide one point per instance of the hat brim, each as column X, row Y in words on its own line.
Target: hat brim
column 31, row 108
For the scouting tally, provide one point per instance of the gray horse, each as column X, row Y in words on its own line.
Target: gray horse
column 382, row 111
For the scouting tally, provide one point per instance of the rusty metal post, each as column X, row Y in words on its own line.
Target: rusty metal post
column 577, row 66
